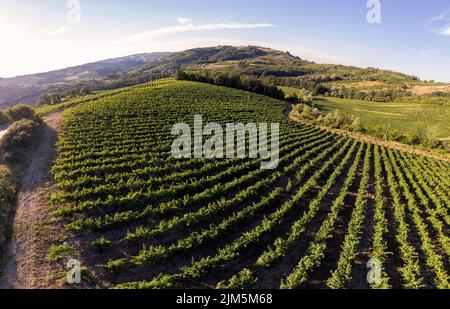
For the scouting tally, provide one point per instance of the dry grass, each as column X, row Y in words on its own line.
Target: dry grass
column 214, row 66
column 366, row 84
column 421, row 90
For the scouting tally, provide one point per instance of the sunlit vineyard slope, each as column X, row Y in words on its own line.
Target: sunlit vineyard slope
column 138, row 218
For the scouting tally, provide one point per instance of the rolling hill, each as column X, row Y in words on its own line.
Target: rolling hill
column 139, row 218
column 272, row 66
column 29, row 88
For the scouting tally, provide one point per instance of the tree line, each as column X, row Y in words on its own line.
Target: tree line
column 233, row 81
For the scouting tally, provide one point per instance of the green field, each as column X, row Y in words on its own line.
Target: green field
column 136, row 217
column 429, row 119
column 289, row 91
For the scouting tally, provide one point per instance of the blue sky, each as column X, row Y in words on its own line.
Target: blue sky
column 413, row 36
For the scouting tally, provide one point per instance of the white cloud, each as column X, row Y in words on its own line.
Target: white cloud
column 440, row 24
column 51, row 50
column 187, row 25
column 445, row 31
column 183, row 20
column 428, row 53
column 55, row 32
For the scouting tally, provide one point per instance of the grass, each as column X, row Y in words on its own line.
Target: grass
column 288, row 91
column 7, row 196
column 431, row 120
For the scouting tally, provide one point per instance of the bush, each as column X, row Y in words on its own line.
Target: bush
column 357, row 125
column 21, row 111
column 101, row 245
column 334, row 120
column 416, row 138
column 18, row 139
column 4, row 119
column 437, row 144
column 60, row 252
column 7, row 195
column 18, row 112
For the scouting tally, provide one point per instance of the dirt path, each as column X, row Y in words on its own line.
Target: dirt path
column 25, row 267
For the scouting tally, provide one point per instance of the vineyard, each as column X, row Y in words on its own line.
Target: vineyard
column 138, row 218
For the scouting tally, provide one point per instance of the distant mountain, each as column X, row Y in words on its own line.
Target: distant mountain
column 29, row 88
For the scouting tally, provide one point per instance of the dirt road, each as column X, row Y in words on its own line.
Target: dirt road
column 25, row 267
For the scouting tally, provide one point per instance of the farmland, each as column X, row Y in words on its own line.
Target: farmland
column 430, row 120
column 138, row 218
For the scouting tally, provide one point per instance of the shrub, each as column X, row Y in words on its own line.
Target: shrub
column 18, row 112
column 437, row 144
column 21, row 111
column 7, row 195
column 334, row 120
column 59, row 252
column 4, row 119
column 101, row 245
column 243, row 280
column 18, row 139
column 416, row 138
column 357, row 125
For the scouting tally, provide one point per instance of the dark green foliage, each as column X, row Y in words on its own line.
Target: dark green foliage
column 18, row 139
column 7, row 195
column 15, row 113
column 49, row 99
column 377, row 95
column 233, row 81
column 101, row 245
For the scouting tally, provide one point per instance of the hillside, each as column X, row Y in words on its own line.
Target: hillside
column 272, row 66
column 406, row 122
column 139, row 218
column 275, row 66
column 29, row 88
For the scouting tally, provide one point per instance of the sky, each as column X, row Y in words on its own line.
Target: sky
column 407, row 36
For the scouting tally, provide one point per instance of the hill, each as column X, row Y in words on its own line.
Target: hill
column 139, row 218
column 272, row 66
column 276, row 67
column 29, row 88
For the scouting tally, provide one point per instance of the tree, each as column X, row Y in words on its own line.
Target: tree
column 45, row 100
column 20, row 111
column 85, row 91
column 55, row 98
